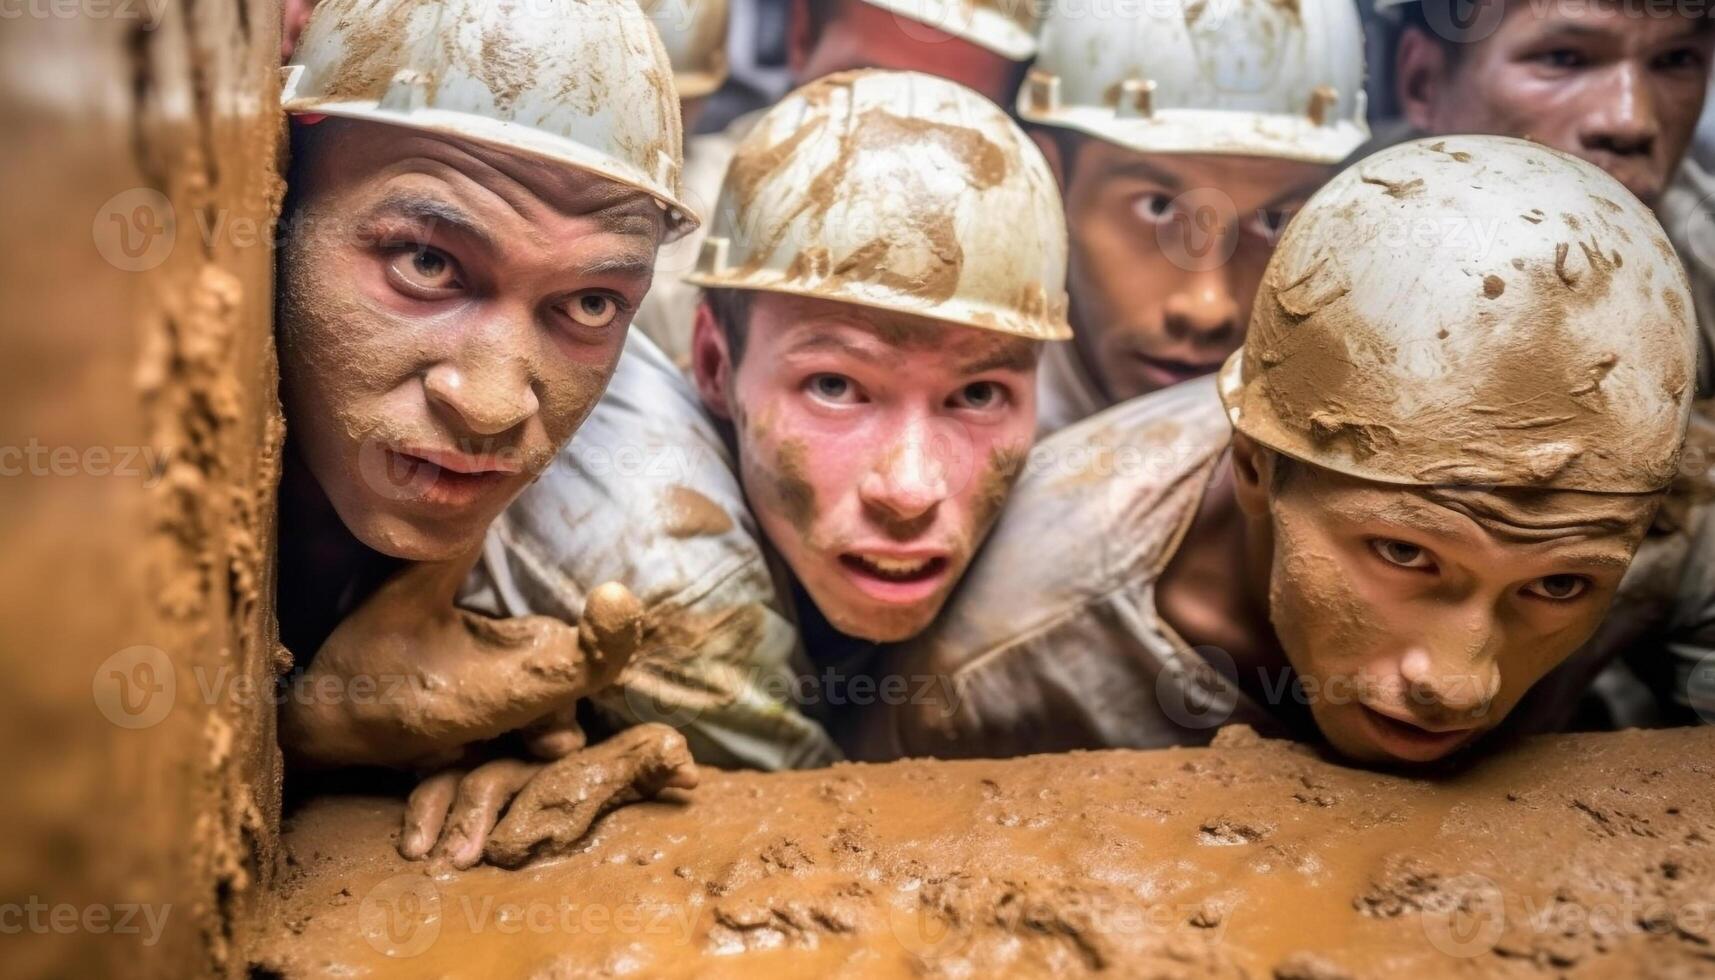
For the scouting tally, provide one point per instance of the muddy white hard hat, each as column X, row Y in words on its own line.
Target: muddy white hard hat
column 1270, row 78
column 898, row 191
column 580, row 82
column 694, row 34
column 1006, row 27
column 1472, row 310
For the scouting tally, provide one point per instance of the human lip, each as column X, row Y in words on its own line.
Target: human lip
column 1407, row 739
column 444, row 486
column 896, row 577
column 1165, row 371
column 468, row 464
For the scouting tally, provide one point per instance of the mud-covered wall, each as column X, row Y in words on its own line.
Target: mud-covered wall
column 138, row 450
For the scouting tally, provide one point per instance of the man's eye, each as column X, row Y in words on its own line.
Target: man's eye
column 1153, row 208
column 980, row 395
column 1562, row 58
column 1401, row 553
column 593, row 309
column 834, row 388
column 424, row 269
column 1559, row 588
column 1680, row 59
column 1269, row 224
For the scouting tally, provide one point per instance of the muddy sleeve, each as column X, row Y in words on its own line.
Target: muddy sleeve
column 1691, row 640
column 719, row 663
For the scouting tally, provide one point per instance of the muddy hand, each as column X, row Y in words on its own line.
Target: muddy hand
column 450, row 814
column 562, row 801
column 446, row 677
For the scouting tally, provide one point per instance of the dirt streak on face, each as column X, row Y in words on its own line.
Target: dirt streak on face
column 448, row 316
column 866, row 478
column 1418, row 617
column 1166, row 256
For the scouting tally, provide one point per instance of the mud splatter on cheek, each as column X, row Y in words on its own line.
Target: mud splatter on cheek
column 1324, row 626
column 1004, row 465
column 792, row 489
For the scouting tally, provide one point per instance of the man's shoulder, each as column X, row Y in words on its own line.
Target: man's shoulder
column 645, row 494
column 1101, row 505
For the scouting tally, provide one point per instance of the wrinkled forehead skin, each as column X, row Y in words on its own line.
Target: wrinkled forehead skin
column 1472, row 310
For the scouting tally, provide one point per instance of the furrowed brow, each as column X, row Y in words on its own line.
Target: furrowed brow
column 436, row 213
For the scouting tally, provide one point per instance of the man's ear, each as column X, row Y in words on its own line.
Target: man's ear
column 1252, row 474
column 1420, row 78
column 1050, row 148
column 711, row 363
column 800, row 38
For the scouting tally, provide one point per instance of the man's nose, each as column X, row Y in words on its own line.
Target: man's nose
column 1624, row 120
column 486, row 387
column 1452, row 677
column 911, row 478
column 1205, row 312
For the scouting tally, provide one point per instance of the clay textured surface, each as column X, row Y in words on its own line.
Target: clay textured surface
column 1578, row 856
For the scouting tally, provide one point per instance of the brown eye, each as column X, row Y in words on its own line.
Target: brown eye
column 1153, row 208
column 1401, row 553
column 593, row 309
column 424, row 270
column 1559, row 588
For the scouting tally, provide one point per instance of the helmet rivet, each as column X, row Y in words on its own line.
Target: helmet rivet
column 1322, row 100
column 1137, row 97
column 1042, row 90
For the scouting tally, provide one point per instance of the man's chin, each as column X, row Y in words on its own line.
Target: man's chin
column 417, row 540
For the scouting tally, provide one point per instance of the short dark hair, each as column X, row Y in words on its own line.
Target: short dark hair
column 1416, row 16
column 731, row 310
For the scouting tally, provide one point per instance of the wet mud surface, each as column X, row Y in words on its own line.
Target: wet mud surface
column 1578, row 856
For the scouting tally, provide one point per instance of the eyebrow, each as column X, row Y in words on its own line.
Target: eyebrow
column 436, row 212
column 825, row 342
column 1133, row 167
column 1597, row 559
column 1009, row 357
column 630, row 266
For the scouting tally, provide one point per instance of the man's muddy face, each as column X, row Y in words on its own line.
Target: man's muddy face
column 876, row 451
column 1167, row 252
column 1600, row 81
column 862, row 35
column 448, row 316
column 1417, row 619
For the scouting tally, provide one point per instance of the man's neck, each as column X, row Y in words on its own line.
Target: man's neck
column 1208, row 605
column 323, row 567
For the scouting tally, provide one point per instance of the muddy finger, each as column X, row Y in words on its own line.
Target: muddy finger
column 426, row 812
column 481, row 796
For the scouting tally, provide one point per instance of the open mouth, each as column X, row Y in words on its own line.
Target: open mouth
column 1410, row 742
column 898, row 571
column 442, row 485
